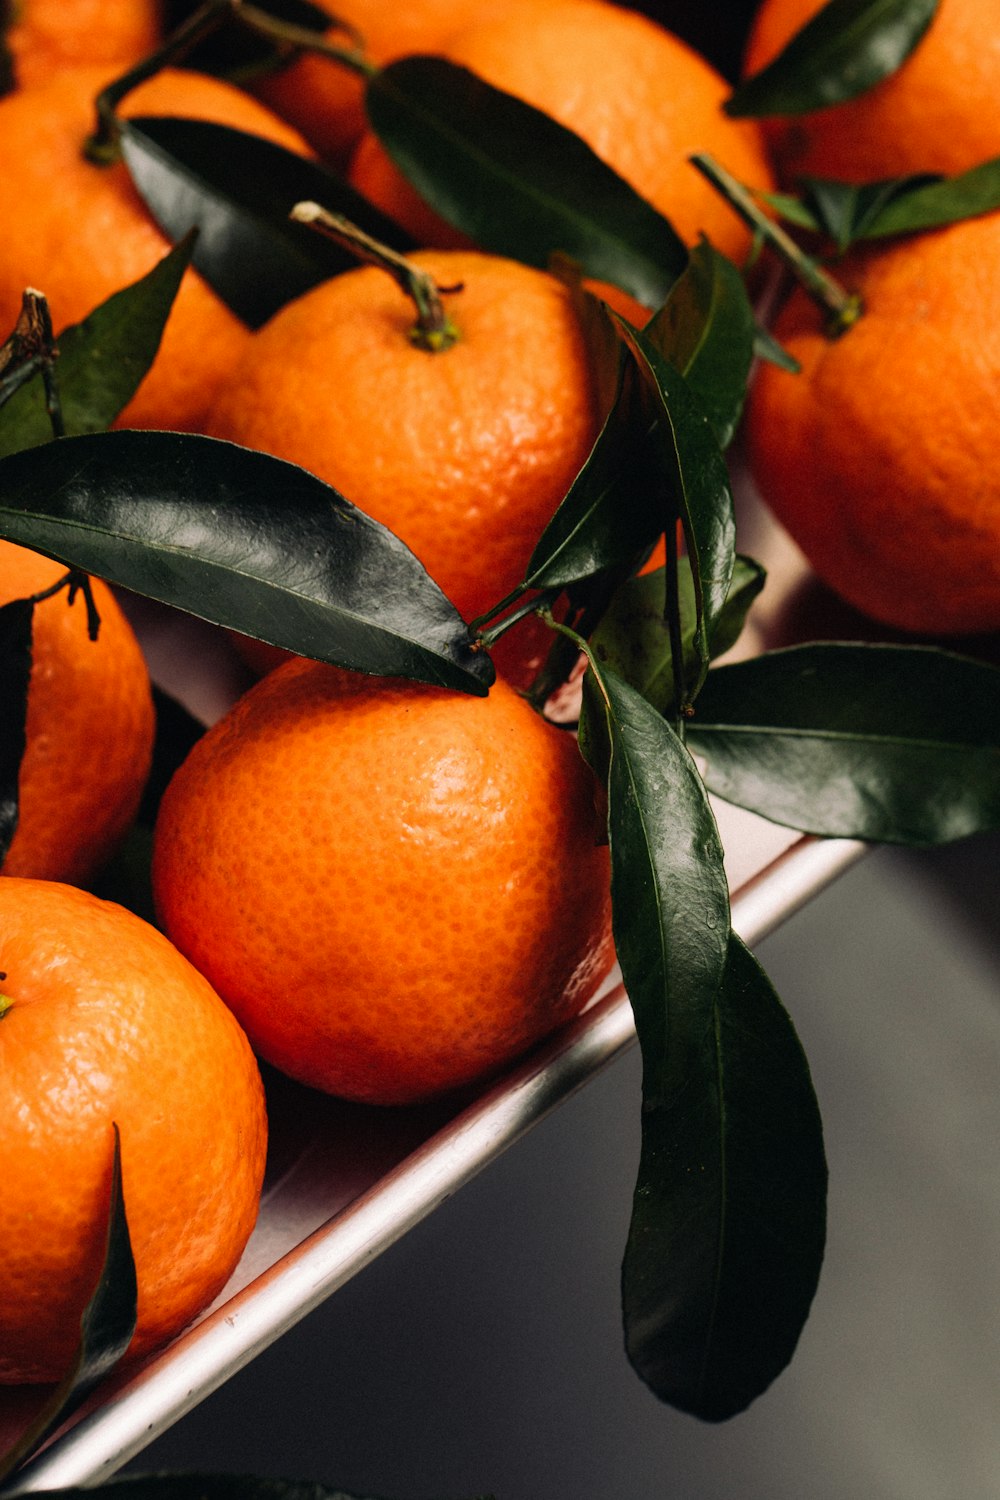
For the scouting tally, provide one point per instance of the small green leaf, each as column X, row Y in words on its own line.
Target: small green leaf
column 844, row 49
column 239, row 189
column 729, row 1218
column 930, row 203
column 15, row 675
column 244, row 540
column 515, row 181
column 706, row 330
column 106, row 1327
column 766, row 346
column 633, row 639
column 899, row 744
column 698, row 483
column 101, row 361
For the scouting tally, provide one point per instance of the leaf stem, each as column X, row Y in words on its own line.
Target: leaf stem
column 433, row 331
column 31, row 347
column 533, row 606
column 841, row 307
column 300, row 38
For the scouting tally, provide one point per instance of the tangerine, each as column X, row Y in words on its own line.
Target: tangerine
column 641, row 98
column 936, row 113
column 49, row 36
column 464, row 453
column 398, row 889
column 79, row 231
column 89, row 732
column 103, row 1022
column 879, row 456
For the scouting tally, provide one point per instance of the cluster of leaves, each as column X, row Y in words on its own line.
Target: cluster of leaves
column 872, row 742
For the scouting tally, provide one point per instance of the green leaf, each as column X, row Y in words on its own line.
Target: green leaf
column 102, row 360
column 614, row 510
column 244, row 540
column 845, row 49
column 899, row 744
column 239, row 189
column 634, row 640
column 515, row 181
column 729, row 1220
column 706, row 330
column 930, row 203
column 15, row 674
column 698, row 483
column 195, row 1486
column 106, row 1328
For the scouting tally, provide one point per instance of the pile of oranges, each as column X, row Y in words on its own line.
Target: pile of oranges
column 404, row 925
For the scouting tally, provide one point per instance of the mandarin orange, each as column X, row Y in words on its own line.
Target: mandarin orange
column 48, row 36
column 879, row 456
column 79, row 232
column 89, row 732
column 103, row 1022
column 398, row 889
column 937, row 113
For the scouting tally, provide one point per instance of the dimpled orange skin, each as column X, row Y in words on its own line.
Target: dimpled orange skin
column 640, row 97
column 108, row 1023
column 466, row 453
column 90, row 727
column 396, row 888
column 880, row 456
column 48, row 36
column 79, row 232
column 937, row 113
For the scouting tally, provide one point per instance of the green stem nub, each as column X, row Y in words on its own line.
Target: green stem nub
column 433, row 330
column 5, row 1004
column 840, row 307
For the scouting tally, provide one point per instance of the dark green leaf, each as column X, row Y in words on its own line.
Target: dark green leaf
column 15, row 675
column 706, row 330
column 892, row 743
column 515, row 181
column 843, row 50
column 928, row 203
column 102, row 360
column 633, row 639
column 670, row 900
column 106, row 1327
column 728, row 1229
column 238, row 190
column 244, row 540
column 195, row 1486
column 766, row 346
column 846, row 211
column 615, row 508
column 698, row 483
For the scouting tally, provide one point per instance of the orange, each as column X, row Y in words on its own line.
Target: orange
column 79, row 232
column 398, row 889
column 879, row 457
column 49, row 36
column 936, row 114
column 104, row 1022
column 325, row 101
column 465, row 453
column 89, row 731
column 641, row 98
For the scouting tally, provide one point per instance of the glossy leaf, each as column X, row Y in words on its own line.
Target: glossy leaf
column 15, row 674
column 515, row 181
column 930, row 204
column 695, row 473
column 899, row 744
column 729, row 1219
column 244, row 540
column 706, row 330
column 843, row 50
column 195, row 1486
column 102, row 360
column 633, row 639
column 106, row 1327
column 238, row 190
